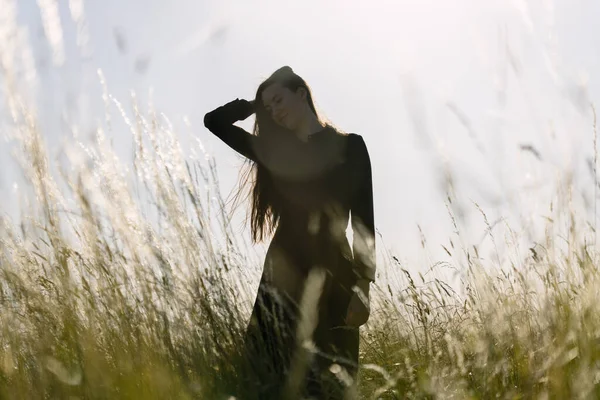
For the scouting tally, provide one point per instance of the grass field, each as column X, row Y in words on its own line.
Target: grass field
column 126, row 281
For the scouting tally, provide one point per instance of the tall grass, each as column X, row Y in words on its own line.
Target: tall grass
column 101, row 300
column 125, row 280
column 102, row 297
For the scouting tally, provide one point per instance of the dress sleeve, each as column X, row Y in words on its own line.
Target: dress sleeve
column 220, row 122
column 361, row 209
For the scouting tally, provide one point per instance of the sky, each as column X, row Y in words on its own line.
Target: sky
column 496, row 93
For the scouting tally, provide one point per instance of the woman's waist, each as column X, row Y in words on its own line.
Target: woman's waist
column 312, row 222
column 335, row 257
column 308, row 233
column 301, row 239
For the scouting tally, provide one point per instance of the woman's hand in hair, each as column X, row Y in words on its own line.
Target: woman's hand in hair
column 359, row 308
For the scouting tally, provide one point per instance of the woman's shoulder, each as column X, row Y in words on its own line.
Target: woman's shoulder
column 355, row 142
column 349, row 145
column 354, row 138
column 357, row 153
column 348, row 137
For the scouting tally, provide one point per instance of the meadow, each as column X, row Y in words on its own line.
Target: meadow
column 128, row 281
column 125, row 278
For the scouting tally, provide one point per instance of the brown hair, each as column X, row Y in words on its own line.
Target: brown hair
column 265, row 204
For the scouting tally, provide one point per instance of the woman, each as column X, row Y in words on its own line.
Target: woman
column 309, row 178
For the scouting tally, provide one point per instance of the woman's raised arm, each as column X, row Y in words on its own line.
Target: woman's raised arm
column 220, row 121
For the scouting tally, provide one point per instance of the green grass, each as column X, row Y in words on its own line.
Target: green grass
column 131, row 285
column 126, row 280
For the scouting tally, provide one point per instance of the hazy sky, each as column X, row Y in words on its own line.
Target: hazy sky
column 431, row 85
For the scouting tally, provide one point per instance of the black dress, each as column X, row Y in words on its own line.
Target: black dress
column 316, row 185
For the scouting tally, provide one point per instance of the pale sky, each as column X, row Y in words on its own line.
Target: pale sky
column 427, row 83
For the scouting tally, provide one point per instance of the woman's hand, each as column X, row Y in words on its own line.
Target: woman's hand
column 359, row 307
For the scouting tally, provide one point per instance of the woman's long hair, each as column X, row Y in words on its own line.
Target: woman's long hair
column 265, row 204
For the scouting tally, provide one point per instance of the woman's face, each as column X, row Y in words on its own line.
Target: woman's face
column 287, row 108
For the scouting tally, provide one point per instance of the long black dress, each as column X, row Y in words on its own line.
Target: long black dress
column 316, row 185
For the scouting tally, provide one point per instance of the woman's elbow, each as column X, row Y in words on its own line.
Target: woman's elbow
column 208, row 121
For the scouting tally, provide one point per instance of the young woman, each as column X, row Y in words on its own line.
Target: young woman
column 309, row 178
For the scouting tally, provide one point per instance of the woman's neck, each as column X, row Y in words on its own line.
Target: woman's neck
column 310, row 125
